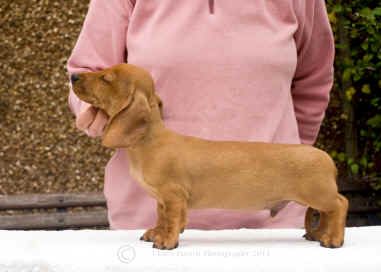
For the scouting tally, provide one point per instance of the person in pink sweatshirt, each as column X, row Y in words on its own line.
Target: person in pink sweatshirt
column 226, row 70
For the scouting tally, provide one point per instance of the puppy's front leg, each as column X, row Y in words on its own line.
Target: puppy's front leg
column 174, row 212
column 149, row 235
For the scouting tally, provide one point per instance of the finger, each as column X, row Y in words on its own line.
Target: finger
column 86, row 117
column 98, row 125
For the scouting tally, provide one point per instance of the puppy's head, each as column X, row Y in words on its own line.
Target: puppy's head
column 126, row 93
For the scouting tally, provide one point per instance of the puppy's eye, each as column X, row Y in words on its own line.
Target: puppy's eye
column 103, row 78
column 108, row 77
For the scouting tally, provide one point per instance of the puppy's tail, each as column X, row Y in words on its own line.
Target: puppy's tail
column 308, row 219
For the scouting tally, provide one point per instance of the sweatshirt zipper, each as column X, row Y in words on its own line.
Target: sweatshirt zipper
column 211, row 6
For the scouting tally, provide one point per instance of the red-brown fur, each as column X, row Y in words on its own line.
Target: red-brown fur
column 183, row 172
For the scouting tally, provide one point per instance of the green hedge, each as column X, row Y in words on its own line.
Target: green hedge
column 357, row 28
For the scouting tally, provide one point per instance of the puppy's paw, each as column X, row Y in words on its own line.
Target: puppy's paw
column 149, row 235
column 165, row 247
column 166, row 241
column 331, row 242
column 308, row 237
column 313, row 236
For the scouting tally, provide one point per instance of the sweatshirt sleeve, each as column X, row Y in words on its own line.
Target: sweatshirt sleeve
column 314, row 73
column 101, row 43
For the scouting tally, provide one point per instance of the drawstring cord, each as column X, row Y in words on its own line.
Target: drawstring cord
column 211, row 6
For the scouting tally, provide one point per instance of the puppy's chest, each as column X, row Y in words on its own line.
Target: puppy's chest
column 138, row 175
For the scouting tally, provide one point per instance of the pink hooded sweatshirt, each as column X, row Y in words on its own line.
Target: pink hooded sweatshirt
column 240, row 70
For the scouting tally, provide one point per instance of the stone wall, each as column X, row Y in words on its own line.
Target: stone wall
column 40, row 148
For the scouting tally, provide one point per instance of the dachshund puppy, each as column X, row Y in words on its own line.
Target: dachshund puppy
column 183, row 172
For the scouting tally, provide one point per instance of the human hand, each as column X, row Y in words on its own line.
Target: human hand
column 91, row 120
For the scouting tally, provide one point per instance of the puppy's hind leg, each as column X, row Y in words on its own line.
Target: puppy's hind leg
column 333, row 213
column 336, row 220
column 315, row 234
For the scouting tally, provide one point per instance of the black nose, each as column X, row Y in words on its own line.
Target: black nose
column 74, row 78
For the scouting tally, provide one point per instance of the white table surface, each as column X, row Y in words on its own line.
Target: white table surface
column 221, row 250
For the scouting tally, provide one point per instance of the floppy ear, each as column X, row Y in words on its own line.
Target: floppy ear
column 129, row 125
